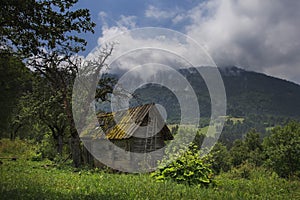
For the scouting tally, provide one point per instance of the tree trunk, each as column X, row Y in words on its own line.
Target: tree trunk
column 87, row 156
column 60, row 144
column 76, row 150
column 14, row 132
column 75, row 140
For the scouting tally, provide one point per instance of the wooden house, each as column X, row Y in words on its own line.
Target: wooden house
column 128, row 136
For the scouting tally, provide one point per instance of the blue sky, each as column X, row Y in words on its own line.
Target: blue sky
column 115, row 9
column 256, row 35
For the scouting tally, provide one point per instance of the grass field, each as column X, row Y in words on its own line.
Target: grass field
column 236, row 119
column 196, row 129
column 26, row 179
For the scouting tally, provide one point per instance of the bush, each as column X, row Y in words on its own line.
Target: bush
column 16, row 148
column 282, row 149
column 249, row 171
column 188, row 169
column 36, row 157
column 220, row 158
column 47, row 147
column 243, row 171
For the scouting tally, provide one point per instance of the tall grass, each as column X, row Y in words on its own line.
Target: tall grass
column 26, row 179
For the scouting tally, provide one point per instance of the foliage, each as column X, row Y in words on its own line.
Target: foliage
column 15, row 80
column 188, row 169
column 34, row 26
column 282, row 149
column 239, row 152
column 46, row 33
column 249, row 149
column 43, row 108
column 220, row 158
column 16, row 148
column 47, row 147
column 243, row 171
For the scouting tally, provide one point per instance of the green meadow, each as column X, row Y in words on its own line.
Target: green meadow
column 25, row 178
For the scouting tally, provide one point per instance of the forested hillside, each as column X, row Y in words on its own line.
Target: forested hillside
column 247, row 93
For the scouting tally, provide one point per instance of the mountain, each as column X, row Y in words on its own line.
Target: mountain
column 248, row 93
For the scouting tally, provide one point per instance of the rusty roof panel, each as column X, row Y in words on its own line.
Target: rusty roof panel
column 129, row 120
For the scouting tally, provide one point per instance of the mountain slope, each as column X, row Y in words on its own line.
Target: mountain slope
column 247, row 93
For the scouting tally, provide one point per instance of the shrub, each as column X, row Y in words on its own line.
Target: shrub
column 47, row 148
column 243, row 171
column 220, row 158
column 16, row 148
column 188, row 169
column 36, row 157
column 282, row 149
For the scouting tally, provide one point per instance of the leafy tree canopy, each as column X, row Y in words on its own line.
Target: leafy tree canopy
column 283, row 148
column 33, row 26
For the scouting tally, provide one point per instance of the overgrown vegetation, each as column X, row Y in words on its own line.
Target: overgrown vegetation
column 188, row 168
column 26, row 179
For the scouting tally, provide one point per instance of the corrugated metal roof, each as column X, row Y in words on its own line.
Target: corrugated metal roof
column 128, row 121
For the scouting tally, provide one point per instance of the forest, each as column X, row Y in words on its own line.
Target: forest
column 42, row 155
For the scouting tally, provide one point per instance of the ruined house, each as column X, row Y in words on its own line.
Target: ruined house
column 130, row 133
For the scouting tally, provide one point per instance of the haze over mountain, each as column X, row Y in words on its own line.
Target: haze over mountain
column 247, row 93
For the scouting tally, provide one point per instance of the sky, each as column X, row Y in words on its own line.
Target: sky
column 256, row 35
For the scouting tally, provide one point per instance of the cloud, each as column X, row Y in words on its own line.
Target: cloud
column 175, row 15
column 127, row 21
column 179, row 18
column 122, row 25
column 259, row 35
column 102, row 16
column 138, row 47
column 154, row 12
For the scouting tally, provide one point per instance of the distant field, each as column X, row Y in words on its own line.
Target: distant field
column 194, row 128
column 236, row 119
column 209, row 134
column 270, row 128
column 170, row 126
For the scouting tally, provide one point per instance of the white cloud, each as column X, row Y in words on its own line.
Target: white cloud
column 176, row 14
column 111, row 32
column 257, row 35
column 151, row 45
column 127, row 21
column 154, row 12
column 102, row 16
column 122, row 25
column 178, row 18
column 260, row 35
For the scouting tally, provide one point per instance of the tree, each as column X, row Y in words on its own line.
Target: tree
column 282, row 149
column 249, row 149
column 15, row 80
column 35, row 26
column 220, row 158
column 254, row 145
column 239, row 152
column 46, row 32
column 42, row 106
column 252, row 141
